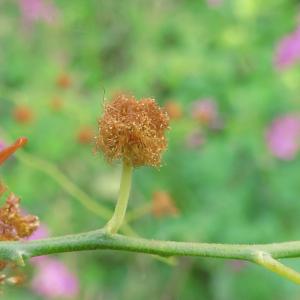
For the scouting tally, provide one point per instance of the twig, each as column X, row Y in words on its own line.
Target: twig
column 262, row 254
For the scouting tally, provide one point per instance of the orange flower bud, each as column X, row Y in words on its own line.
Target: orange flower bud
column 64, row 81
column 23, row 114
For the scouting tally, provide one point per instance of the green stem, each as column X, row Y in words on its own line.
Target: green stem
column 118, row 217
column 262, row 254
column 99, row 239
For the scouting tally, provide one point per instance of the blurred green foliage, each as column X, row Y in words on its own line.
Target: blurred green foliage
column 229, row 190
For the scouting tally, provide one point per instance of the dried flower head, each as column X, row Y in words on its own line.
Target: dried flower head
column 14, row 225
column 133, row 130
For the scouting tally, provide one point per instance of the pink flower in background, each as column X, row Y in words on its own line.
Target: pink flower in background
column 283, row 136
column 54, row 280
column 38, row 10
column 214, row 3
column 288, row 50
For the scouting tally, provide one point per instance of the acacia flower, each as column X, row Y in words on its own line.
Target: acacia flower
column 133, row 131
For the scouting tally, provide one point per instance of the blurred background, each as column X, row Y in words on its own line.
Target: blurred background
column 227, row 73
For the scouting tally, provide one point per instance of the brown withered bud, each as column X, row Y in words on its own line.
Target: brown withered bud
column 14, row 225
column 133, row 131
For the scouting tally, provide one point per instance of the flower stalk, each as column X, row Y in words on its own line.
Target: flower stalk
column 118, row 217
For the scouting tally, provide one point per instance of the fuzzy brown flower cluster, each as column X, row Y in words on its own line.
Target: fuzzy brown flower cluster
column 133, row 131
column 14, row 225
